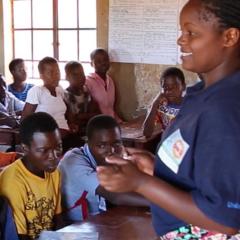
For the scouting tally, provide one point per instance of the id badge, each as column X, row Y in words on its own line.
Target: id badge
column 173, row 150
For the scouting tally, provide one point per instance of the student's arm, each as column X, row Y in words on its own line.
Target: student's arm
column 148, row 124
column 5, row 119
column 58, row 222
column 13, row 191
column 92, row 110
column 28, row 109
column 126, row 177
column 126, row 199
column 71, row 120
column 18, row 105
column 32, row 101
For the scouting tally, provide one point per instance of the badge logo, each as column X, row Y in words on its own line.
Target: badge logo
column 173, row 150
column 178, row 149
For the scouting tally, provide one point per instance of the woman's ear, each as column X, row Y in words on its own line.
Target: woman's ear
column 231, row 37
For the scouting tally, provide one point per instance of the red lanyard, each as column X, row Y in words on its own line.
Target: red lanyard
column 82, row 201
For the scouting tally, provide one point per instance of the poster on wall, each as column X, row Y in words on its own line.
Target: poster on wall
column 144, row 31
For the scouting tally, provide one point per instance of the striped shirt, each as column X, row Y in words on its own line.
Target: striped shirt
column 20, row 95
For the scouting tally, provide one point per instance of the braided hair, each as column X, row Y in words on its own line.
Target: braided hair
column 227, row 12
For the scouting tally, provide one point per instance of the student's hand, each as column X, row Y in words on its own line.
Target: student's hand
column 143, row 159
column 120, row 176
column 160, row 99
column 10, row 121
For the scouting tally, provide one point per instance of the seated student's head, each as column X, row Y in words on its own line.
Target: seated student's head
column 100, row 60
column 49, row 71
column 173, row 84
column 2, row 88
column 104, row 137
column 18, row 70
column 75, row 74
column 41, row 141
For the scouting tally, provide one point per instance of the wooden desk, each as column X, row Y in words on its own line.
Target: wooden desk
column 9, row 136
column 119, row 223
column 132, row 136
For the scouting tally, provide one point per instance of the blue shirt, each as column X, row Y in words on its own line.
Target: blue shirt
column 200, row 154
column 78, row 173
column 20, row 95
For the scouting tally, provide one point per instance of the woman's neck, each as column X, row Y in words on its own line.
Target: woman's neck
column 18, row 86
column 227, row 68
column 52, row 89
column 102, row 75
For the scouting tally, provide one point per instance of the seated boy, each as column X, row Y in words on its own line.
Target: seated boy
column 10, row 106
column 32, row 184
column 80, row 105
column 19, row 88
column 167, row 103
column 101, row 85
column 78, row 168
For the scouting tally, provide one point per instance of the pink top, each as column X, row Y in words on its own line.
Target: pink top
column 103, row 92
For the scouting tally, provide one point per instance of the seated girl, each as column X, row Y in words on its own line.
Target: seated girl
column 80, row 105
column 49, row 97
column 167, row 103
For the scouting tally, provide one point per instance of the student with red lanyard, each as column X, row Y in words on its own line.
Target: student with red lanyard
column 79, row 176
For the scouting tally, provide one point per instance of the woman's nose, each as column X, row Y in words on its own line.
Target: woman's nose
column 182, row 39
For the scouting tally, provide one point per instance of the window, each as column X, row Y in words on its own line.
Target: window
column 64, row 29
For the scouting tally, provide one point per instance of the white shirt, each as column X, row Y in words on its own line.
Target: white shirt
column 55, row 106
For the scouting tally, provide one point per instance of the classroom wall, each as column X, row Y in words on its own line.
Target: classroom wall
column 136, row 84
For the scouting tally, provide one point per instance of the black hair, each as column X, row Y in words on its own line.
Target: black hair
column 227, row 12
column 72, row 65
column 45, row 61
column 173, row 71
column 100, row 122
column 36, row 122
column 97, row 51
column 14, row 63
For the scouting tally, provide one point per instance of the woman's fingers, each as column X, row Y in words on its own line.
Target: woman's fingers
column 115, row 160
